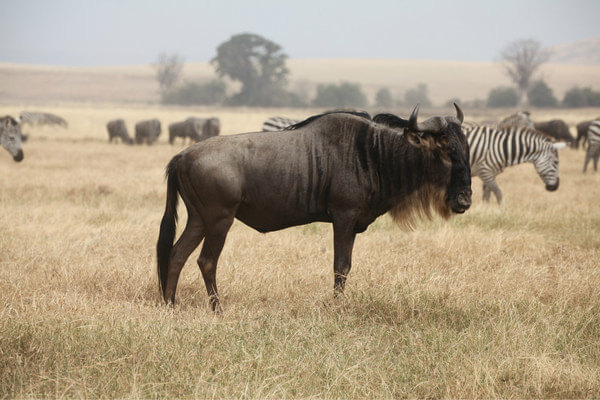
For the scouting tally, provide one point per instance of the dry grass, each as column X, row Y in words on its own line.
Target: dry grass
column 446, row 80
column 500, row 302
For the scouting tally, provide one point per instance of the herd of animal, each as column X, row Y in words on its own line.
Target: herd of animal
column 343, row 167
column 147, row 132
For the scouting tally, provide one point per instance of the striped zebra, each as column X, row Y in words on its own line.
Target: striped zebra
column 41, row 118
column 593, row 150
column 493, row 149
column 278, row 124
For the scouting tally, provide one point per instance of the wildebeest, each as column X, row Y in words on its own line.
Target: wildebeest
column 147, row 131
column 593, row 150
column 10, row 137
column 118, row 130
column 520, row 118
column 557, row 129
column 337, row 167
column 41, row 118
column 196, row 129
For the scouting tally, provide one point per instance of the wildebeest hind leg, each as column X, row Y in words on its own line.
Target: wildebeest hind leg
column 188, row 241
column 343, row 241
column 209, row 256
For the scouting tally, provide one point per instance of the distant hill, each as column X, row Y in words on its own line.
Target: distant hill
column 585, row 51
column 29, row 85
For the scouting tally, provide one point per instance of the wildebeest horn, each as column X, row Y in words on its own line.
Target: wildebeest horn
column 412, row 120
column 459, row 113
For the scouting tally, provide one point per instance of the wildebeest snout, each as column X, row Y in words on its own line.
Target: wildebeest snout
column 464, row 200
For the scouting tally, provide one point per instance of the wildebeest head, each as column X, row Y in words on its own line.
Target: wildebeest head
column 10, row 137
column 442, row 139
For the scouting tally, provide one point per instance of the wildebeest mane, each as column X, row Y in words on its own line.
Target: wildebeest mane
column 362, row 114
column 390, row 120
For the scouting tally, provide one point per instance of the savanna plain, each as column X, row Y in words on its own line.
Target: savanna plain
column 501, row 302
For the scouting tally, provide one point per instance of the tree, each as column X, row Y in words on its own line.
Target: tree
column 503, row 97
column 345, row 94
column 258, row 64
column 417, row 95
column 581, row 97
column 520, row 60
column 168, row 70
column 540, row 95
column 383, row 98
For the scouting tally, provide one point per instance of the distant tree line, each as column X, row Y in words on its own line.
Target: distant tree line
column 259, row 66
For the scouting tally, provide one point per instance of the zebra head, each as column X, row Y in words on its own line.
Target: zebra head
column 546, row 165
column 10, row 137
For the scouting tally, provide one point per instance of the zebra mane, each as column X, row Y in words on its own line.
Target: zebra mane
column 362, row 114
column 390, row 120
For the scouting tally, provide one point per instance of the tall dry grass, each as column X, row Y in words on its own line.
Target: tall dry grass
column 499, row 302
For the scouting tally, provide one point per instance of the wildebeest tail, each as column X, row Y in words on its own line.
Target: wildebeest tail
column 167, row 225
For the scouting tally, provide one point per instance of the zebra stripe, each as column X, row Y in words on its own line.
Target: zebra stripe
column 41, row 118
column 593, row 150
column 278, row 123
column 493, row 149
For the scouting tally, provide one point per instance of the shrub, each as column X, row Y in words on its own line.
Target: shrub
column 345, row 94
column 417, row 95
column 383, row 98
column 503, row 97
column 212, row 92
column 540, row 95
column 581, row 97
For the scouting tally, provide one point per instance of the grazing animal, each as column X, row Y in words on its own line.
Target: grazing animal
column 10, row 137
column 196, row 129
column 557, row 129
column 520, row 118
column 212, row 127
column 118, row 130
column 41, row 118
column 593, row 150
column 494, row 149
column 147, row 131
column 337, row 167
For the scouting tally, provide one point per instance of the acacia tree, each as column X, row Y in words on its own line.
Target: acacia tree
column 168, row 70
column 258, row 64
column 520, row 60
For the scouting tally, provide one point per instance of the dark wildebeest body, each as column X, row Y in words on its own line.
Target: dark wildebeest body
column 557, row 129
column 196, row 129
column 118, row 130
column 10, row 137
column 147, row 131
column 190, row 128
column 337, row 168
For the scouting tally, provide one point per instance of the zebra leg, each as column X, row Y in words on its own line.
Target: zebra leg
column 486, row 192
column 588, row 155
column 491, row 185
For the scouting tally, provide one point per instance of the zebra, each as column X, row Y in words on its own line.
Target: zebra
column 278, row 124
column 10, row 137
column 520, row 118
column 41, row 118
column 493, row 149
column 593, row 150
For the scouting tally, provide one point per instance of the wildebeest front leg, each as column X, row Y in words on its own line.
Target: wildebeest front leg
column 209, row 256
column 343, row 241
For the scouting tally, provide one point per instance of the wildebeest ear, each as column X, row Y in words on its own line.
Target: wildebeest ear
column 414, row 138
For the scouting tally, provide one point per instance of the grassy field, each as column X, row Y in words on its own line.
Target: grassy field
column 501, row 302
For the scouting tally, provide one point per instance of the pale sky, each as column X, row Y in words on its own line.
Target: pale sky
column 122, row 32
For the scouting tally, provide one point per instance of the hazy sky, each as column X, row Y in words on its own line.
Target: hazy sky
column 117, row 32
